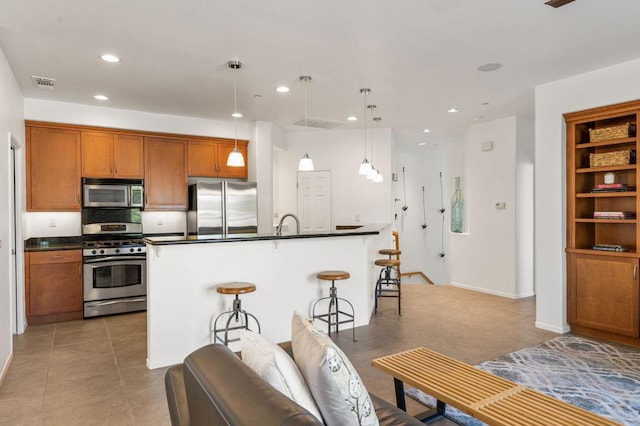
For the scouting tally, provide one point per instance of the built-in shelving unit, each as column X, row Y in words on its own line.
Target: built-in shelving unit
column 603, row 252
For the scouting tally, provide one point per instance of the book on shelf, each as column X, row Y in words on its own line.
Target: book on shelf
column 609, row 247
column 628, row 189
column 614, row 215
column 613, row 187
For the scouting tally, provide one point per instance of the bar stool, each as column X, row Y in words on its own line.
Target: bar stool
column 388, row 284
column 240, row 315
column 332, row 317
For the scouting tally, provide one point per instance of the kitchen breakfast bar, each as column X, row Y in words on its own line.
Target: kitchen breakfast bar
column 183, row 272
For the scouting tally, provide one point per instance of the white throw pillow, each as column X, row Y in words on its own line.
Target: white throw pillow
column 276, row 367
column 334, row 383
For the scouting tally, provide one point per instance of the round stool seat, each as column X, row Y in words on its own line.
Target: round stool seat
column 332, row 275
column 390, row 252
column 236, row 288
column 387, row 262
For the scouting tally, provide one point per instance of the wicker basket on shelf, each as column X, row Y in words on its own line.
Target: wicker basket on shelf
column 613, row 158
column 614, row 132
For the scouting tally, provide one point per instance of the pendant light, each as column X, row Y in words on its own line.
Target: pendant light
column 365, row 166
column 235, row 158
column 371, row 175
column 378, row 177
column 306, row 164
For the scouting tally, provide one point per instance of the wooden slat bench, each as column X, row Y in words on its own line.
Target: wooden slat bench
column 487, row 397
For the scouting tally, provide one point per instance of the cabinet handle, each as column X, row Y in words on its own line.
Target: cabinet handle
column 57, row 257
column 635, row 272
column 80, row 271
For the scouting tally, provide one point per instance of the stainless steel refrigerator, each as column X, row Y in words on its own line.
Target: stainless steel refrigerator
column 223, row 209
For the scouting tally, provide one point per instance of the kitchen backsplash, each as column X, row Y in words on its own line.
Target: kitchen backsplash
column 67, row 224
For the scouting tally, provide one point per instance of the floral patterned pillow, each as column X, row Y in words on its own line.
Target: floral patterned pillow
column 334, row 383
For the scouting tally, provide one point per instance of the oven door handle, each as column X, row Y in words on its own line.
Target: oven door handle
column 115, row 302
column 113, row 259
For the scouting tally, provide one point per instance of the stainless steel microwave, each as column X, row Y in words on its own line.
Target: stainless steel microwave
column 112, row 193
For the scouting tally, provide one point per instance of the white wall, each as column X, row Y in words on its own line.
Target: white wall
column 485, row 257
column 606, row 86
column 420, row 247
column 339, row 151
column 11, row 123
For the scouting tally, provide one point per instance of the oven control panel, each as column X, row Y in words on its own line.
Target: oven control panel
column 113, row 251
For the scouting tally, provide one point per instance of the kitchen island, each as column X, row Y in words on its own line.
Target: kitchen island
column 183, row 272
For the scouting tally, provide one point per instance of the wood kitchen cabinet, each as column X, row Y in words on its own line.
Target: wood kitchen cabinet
column 52, row 169
column 603, row 239
column 112, row 155
column 53, row 286
column 208, row 158
column 165, row 170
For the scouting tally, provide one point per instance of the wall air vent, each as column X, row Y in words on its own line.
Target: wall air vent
column 43, row 82
column 317, row 123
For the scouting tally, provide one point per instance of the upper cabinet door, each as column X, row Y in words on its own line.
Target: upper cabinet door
column 53, row 169
column 128, row 157
column 165, row 173
column 112, row 155
column 202, row 158
column 224, row 148
column 97, row 154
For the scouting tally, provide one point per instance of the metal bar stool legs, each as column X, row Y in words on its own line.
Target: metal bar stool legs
column 388, row 284
column 238, row 314
column 334, row 314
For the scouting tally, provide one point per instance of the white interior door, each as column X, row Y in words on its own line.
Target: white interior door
column 314, row 201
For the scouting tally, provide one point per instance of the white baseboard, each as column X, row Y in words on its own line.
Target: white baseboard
column 5, row 367
column 492, row 292
column 553, row 328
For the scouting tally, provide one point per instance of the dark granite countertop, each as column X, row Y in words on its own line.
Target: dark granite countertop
column 372, row 229
column 53, row 243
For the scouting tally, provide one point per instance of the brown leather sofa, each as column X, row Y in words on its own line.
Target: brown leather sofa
column 214, row 387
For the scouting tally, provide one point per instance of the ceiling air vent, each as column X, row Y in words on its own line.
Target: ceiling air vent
column 43, row 82
column 318, row 123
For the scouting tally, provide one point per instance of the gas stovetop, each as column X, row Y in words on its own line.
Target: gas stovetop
column 113, row 247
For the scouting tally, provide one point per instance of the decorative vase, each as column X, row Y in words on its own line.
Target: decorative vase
column 457, row 209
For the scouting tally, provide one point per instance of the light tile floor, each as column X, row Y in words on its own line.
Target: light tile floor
column 93, row 372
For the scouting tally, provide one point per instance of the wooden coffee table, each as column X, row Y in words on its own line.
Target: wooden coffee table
column 480, row 394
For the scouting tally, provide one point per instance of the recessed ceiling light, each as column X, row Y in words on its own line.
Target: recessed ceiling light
column 352, row 118
column 236, row 115
column 282, row 89
column 257, row 96
column 101, row 97
column 426, row 130
column 489, row 67
column 478, row 118
column 422, row 143
column 484, row 103
column 453, row 109
column 107, row 57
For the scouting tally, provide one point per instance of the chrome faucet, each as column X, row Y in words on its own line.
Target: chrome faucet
column 279, row 227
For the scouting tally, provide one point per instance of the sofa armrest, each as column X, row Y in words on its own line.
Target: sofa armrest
column 176, row 396
column 222, row 390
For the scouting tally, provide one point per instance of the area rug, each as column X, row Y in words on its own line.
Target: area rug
column 597, row 376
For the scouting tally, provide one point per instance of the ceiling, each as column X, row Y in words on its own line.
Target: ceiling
column 418, row 57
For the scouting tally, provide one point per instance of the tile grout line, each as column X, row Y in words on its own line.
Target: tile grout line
column 121, row 379
column 46, row 380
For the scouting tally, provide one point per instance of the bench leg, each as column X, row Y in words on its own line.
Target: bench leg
column 400, row 402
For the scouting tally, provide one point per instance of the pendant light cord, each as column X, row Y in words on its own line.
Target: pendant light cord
column 235, row 110
column 365, row 125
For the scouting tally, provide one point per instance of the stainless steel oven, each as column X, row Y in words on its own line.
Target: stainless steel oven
column 114, row 261
column 114, row 279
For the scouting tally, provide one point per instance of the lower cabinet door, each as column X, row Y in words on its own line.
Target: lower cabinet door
column 602, row 293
